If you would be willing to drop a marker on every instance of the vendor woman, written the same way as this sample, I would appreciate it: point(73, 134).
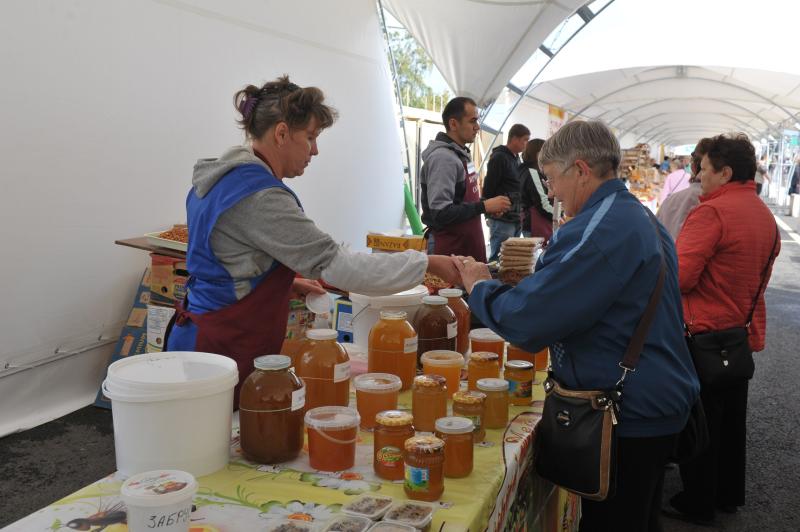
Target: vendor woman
point(249, 235)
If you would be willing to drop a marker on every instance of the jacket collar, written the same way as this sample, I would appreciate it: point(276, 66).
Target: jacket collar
point(443, 137)
point(606, 189)
point(727, 188)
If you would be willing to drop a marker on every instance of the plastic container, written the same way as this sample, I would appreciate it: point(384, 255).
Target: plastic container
point(288, 525)
point(271, 406)
point(412, 513)
point(486, 340)
point(428, 401)
point(375, 392)
point(436, 326)
point(324, 367)
point(463, 316)
point(159, 500)
point(332, 437)
point(456, 433)
point(495, 408)
point(370, 506)
point(366, 310)
point(386, 526)
point(448, 364)
point(157, 399)
point(347, 523)
point(424, 469)
point(517, 353)
point(541, 359)
point(519, 375)
point(319, 303)
point(482, 365)
point(471, 405)
point(393, 347)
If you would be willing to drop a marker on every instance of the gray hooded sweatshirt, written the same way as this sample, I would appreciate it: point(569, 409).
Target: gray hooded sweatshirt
point(269, 225)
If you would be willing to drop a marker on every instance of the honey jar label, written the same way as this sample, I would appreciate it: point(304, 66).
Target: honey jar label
point(417, 478)
point(298, 399)
point(520, 388)
point(389, 456)
point(410, 345)
point(452, 329)
point(341, 372)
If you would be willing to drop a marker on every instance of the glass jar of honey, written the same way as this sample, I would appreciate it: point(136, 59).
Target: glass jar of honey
point(456, 432)
point(495, 409)
point(470, 405)
point(517, 353)
point(428, 401)
point(461, 310)
point(482, 365)
point(541, 359)
point(324, 367)
point(393, 347)
point(271, 411)
point(392, 429)
point(436, 326)
point(424, 468)
point(486, 340)
point(375, 392)
point(519, 374)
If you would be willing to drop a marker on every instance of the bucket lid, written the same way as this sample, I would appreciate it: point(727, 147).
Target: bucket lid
point(407, 298)
point(442, 358)
point(434, 300)
point(492, 385)
point(485, 335)
point(322, 334)
point(450, 292)
point(319, 303)
point(378, 382)
point(158, 488)
point(454, 425)
point(332, 417)
point(272, 362)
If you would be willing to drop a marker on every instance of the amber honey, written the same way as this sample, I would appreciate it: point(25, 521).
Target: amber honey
point(424, 468)
point(541, 359)
point(448, 364)
point(332, 432)
point(482, 365)
point(517, 353)
point(436, 326)
point(456, 432)
point(486, 340)
point(519, 375)
point(428, 401)
point(460, 308)
point(324, 367)
point(393, 347)
point(495, 408)
point(375, 392)
point(392, 429)
point(470, 405)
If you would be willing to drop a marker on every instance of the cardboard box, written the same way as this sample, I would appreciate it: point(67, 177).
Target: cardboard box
point(343, 319)
point(396, 243)
point(167, 280)
point(300, 320)
point(157, 320)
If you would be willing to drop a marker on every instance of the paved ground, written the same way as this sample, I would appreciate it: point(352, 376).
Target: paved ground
point(49, 462)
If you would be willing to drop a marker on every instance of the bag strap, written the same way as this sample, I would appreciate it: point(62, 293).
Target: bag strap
point(763, 277)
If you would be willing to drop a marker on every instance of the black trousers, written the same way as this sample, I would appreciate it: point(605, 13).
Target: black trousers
point(716, 477)
point(636, 505)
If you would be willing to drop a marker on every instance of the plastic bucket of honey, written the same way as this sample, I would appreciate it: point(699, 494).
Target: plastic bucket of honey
point(332, 433)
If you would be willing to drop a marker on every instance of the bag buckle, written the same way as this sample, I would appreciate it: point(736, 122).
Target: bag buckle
point(621, 380)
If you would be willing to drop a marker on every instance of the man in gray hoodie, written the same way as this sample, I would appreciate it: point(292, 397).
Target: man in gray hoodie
point(451, 198)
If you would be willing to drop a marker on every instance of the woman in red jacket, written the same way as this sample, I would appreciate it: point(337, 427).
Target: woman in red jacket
point(725, 252)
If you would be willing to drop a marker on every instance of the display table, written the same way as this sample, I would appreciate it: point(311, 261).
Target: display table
point(502, 493)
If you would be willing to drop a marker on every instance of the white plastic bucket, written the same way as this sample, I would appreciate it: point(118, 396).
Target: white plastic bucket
point(367, 310)
point(172, 411)
point(159, 500)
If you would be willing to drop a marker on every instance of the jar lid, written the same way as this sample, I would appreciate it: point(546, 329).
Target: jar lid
point(454, 425)
point(393, 315)
point(519, 364)
point(322, 334)
point(469, 397)
point(484, 356)
point(272, 362)
point(394, 418)
point(158, 488)
point(450, 292)
point(442, 358)
point(434, 300)
point(332, 417)
point(377, 382)
point(492, 385)
point(430, 381)
point(424, 444)
point(487, 335)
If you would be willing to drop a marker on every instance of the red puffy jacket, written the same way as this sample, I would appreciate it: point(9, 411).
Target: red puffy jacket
point(723, 248)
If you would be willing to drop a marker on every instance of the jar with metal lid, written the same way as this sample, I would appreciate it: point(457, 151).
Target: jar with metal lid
point(271, 411)
point(428, 401)
point(519, 374)
point(436, 326)
point(463, 316)
point(424, 468)
point(495, 411)
point(392, 347)
point(392, 429)
point(324, 367)
point(456, 432)
point(482, 365)
point(470, 405)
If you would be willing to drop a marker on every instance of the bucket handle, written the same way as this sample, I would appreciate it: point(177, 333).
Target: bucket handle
point(367, 306)
point(334, 440)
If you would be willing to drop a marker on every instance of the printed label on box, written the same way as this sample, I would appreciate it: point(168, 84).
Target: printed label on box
point(157, 321)
point(410, 345)
point(417, 478)
point(452, 329)
point(341, 372)
point(137, 317)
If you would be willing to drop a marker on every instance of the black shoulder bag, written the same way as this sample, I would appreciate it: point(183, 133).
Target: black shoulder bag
point(576, 438)
point(724, 357)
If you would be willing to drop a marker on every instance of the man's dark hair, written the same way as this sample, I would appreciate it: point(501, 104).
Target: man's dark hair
point(455, 108)
point(735, 151)
point(697, 155)
point(517, 131)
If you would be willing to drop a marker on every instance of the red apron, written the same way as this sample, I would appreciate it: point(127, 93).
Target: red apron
point(540, 226)
point(253, 326)
point(465, 238)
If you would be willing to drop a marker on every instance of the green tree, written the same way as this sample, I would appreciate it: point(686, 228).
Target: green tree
point(413, 66)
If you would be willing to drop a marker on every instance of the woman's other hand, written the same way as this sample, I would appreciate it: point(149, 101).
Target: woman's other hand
point(302, 287)
point(445, 268)
point(471, 272)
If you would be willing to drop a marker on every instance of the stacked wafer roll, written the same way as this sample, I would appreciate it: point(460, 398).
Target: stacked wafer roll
point(517, 259)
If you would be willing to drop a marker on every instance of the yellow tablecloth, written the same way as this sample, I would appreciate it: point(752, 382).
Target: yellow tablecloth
point(502, 493)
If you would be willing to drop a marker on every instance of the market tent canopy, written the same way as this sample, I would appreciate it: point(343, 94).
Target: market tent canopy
point(478, 45)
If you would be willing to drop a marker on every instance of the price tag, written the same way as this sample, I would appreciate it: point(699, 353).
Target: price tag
point(298, 399)
point(452, 329)
point(341, 372)
point(410, 345)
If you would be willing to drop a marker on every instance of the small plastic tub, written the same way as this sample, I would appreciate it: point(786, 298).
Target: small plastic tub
point(375, 392)
point(347, 523)
point(385, 526)
point(486, 340)
point(160, 499)
point(412, 513)
point(448, 364)
point(332, 437)
point(288, 525)
point(368, 506)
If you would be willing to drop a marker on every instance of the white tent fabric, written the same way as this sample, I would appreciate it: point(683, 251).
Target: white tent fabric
point(478, 45)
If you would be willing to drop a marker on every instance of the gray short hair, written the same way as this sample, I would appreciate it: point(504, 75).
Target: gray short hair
point(591, 141)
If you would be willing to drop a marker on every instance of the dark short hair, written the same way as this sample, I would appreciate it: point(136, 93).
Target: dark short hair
point(517, 131)
point(531, 153)
point(735, 151)
point(697, 155)
point(455, 108)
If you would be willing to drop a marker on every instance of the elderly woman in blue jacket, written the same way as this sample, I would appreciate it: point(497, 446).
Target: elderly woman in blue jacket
point(587, 294)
